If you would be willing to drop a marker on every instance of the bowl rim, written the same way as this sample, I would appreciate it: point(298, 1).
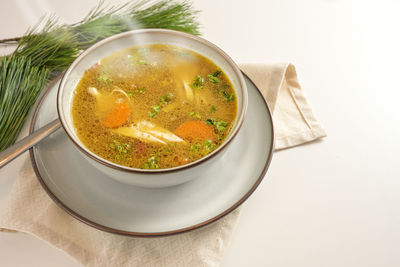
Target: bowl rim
point(98, 159)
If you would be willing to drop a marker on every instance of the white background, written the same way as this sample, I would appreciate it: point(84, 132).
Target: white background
point(330, 203)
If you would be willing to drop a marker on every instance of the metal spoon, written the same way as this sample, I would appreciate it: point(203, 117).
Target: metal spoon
point(21, 146)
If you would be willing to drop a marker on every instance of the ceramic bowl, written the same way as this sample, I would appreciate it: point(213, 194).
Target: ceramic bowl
point(145, 177)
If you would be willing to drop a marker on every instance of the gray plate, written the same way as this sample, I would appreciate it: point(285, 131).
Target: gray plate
point(102, 202)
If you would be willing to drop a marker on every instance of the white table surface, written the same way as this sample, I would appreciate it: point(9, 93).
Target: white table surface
point(329, 203)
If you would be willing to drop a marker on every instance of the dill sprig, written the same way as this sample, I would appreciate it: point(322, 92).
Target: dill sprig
point(42, 54)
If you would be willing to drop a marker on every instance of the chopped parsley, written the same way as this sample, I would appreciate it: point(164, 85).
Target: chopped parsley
point(210, 121)
point(213, 79)
point(164, 100)
point(228, 97)
point(219, 125)
point(121, 149)
point(209, 145)
point(213, 109)
point(217, 73)
point(140, 90)
point(151, 163)
point(155, 111)
point(195, 114)
point(195, 147)
point(197, 82)
point(167, 98)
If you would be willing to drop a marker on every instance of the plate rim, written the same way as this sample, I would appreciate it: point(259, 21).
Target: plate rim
point(98, 226)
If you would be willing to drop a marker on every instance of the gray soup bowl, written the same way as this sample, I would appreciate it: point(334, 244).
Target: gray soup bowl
point(149, 177)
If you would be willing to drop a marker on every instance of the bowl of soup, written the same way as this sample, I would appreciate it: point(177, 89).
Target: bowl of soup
point(152, 107)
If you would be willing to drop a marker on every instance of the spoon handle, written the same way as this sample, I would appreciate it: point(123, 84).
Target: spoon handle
point(24, 144)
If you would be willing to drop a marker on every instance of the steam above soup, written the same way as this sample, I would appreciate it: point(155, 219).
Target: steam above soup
point(154, 106)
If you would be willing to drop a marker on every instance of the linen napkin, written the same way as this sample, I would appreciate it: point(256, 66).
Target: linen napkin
point(30, 210)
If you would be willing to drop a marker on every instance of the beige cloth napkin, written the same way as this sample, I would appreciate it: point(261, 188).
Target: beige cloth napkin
point(30, 210)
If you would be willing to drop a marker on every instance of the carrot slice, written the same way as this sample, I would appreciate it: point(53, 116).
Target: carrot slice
point(195, 130)
point(118, 115)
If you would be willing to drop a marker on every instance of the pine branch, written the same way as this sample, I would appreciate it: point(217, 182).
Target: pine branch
point(20, 84)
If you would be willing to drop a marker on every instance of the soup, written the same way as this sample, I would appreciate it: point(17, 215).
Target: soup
point(153, 107)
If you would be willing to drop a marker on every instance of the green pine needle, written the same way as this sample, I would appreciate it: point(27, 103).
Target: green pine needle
point(43, 54)
point(20, 84)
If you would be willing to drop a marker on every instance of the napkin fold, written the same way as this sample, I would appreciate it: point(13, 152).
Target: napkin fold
point(30, 210)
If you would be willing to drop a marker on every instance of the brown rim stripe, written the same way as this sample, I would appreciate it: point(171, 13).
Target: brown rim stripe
point(157, 234)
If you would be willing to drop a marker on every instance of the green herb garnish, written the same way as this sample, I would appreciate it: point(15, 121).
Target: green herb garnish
point(155, 111)
point(151, 163)
point(228, 97)
point(164, 100)
point(195, 114)
point(217, 73)
point(197, 82)
point(167, 98)
point(213, 109)
point(210, 121)
point(209, 145)
point(195, 148)
point(141, 90)
point(213, 79)
point(219, 125)
point(156, 108)
point(121, 149)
